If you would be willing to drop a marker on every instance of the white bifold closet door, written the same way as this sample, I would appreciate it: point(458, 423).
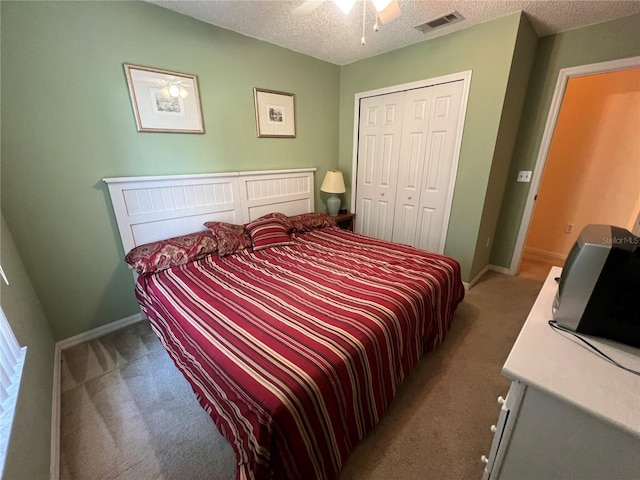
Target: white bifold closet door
point(378, 156)
point(406, 148)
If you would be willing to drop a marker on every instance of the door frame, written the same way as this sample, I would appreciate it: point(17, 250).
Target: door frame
point(545, 145)
point(465, 76)
point(636, 226)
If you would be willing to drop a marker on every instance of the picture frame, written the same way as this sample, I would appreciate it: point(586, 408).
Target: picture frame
point(275, 113)
point(163, 100)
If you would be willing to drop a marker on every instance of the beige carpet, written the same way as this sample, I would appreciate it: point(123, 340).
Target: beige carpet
point(127, 413)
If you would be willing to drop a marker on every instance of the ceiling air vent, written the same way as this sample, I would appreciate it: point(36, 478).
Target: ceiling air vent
point(439, 22)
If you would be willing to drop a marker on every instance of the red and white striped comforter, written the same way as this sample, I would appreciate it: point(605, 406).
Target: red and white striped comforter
point(297, 351)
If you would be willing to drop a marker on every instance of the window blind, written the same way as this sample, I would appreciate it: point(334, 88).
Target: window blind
point(11, 363)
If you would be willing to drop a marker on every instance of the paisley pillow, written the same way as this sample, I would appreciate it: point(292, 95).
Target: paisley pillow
point(310, 221)
point(231, 238)
point(156, 256)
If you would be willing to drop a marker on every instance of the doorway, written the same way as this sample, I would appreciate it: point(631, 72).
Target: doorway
point(588, 168)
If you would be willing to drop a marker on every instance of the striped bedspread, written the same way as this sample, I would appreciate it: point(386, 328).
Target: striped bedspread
point(297, 351)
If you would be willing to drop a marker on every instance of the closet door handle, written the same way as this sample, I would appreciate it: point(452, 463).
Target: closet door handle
point(409, 197)
point(382, 194)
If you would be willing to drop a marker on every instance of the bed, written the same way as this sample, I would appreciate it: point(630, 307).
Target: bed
point(294, 346)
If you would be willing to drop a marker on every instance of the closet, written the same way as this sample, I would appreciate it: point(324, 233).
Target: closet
point(407, 151)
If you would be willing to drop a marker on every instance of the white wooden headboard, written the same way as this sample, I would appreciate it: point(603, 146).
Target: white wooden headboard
point(148, 209)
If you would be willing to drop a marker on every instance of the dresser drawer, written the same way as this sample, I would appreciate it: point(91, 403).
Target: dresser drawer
point(502, 429)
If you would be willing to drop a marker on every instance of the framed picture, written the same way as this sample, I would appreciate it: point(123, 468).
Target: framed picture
point(275, 113)
point(164, 101)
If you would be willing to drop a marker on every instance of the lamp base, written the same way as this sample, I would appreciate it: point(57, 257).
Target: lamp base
point(333, 205)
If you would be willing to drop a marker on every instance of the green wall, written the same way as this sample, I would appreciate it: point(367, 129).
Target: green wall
point(67, 122)
point(486, 49)
point(521, 65)
point(29, 450)
point(598, 43)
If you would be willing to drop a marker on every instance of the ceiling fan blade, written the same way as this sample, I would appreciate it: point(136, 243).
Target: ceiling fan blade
point(390, 12)
point(307, 7)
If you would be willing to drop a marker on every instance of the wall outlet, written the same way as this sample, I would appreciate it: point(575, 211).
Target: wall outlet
point(568, 228)
point(524, 176)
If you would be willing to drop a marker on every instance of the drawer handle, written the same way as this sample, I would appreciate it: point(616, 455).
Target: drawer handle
point(382, 194)
point(493, 428)
point(484, 459)
point(501, 400)
point(409, 197)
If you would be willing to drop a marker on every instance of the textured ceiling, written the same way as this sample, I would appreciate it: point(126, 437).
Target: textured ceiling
point(328, 34)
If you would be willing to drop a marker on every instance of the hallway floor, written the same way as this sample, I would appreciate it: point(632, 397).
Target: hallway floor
point(536, 266)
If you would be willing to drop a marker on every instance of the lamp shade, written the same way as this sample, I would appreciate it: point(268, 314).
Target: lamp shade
point(333, 182)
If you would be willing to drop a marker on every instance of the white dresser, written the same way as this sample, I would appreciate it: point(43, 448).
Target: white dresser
point(569, 414)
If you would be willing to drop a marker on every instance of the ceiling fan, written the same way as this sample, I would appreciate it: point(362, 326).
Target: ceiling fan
point(387, 10)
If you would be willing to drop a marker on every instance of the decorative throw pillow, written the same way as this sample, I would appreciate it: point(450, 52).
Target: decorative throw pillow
point(280, 216)
point(156, 256)
point(310, 221)
point(266, 232)
point(231, 238)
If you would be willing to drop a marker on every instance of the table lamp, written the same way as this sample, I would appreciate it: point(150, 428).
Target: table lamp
point(333, 183)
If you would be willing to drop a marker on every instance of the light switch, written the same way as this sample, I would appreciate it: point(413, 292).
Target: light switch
point(524, 176)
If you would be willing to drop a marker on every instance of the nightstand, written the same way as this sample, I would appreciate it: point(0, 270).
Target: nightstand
point(345, 220)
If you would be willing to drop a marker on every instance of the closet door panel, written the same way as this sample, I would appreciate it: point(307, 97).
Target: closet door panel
point(404, 224)
point(411, 162)
point(438, 165)
point(372, 217)
point(378, 153)
point(424, 229)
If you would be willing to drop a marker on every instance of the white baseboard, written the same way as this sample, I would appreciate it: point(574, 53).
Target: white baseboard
point(475, 279)
point(498, 269)
point(54, 471)
point(493, 268)
point(100, 331)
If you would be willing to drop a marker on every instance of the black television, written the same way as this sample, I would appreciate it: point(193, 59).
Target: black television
point(599, 289)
